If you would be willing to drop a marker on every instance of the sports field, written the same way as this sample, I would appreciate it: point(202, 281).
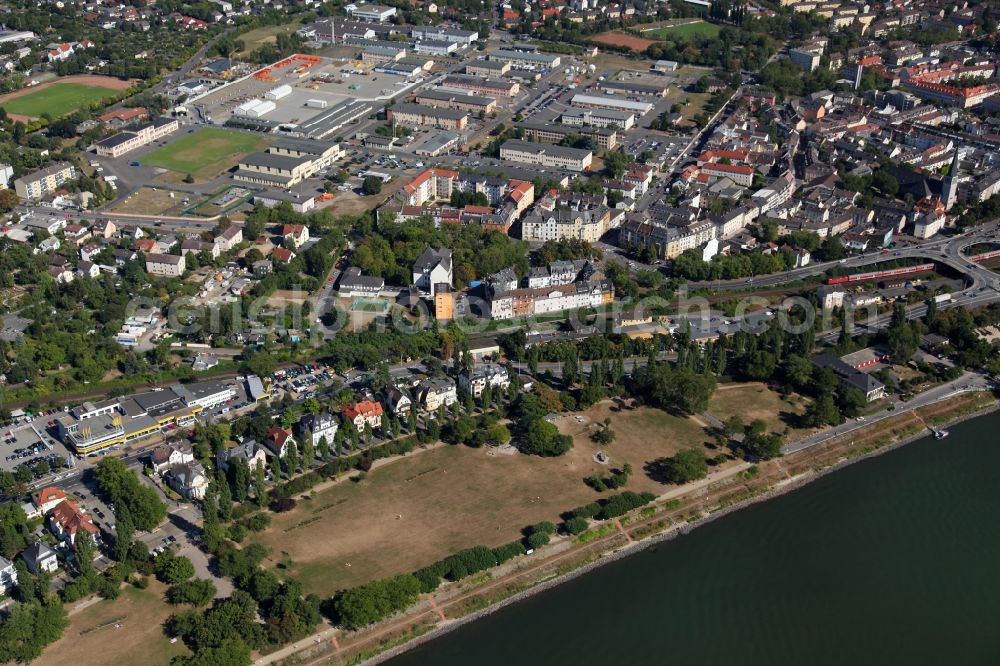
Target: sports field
point(61, 97)
point(205, 153)
point(684, 31)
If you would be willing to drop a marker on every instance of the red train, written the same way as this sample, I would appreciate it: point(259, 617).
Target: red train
point(877, 275)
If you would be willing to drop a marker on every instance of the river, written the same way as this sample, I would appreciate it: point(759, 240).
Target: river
point(893, 560)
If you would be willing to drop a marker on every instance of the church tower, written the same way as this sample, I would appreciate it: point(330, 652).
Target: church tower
point(949, 191)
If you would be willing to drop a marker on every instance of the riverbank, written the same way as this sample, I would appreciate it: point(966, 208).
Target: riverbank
point(674, 514)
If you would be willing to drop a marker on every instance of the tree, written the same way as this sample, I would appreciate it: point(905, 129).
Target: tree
point(14, 530)
point(173, 569)
point(28, 627)
point(543, 439)
point(678, 388)
point(371, 185)
point(231, 652)
point(131, 497)
point(124, 531)
point(686, 465)
point(197, 592)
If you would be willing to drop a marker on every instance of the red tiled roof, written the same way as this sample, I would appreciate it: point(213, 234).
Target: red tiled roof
point(49, 494)
point(366, 408)
point(71, 518)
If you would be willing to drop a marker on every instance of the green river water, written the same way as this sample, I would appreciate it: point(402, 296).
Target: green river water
point(894, 560)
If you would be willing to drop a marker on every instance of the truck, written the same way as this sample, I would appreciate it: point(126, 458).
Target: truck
point(942, 298)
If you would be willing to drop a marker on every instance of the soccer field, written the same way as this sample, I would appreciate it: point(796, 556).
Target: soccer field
point(684, 31)
point(57, 100)
point(205, 153)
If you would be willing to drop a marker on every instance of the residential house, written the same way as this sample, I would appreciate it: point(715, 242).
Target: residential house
point(248, 451)
point(436, 392)
point(279, 440)
point(165, 456)
point(474, 380)
point(318, 427)
point(298, 234)
point(366, 412)
point(399, 401)
point(188, 479)
point(39, 557)
point(8, 575)
point(48, 498)
point(67, 519)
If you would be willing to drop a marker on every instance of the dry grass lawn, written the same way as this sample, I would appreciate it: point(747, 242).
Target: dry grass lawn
point(148, 201)
point(757, 401)
point(414, 511)
point(93, 639)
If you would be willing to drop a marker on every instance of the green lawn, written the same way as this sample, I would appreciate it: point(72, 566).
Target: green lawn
point(58, 100)
point(205, 153)
point(685, 31)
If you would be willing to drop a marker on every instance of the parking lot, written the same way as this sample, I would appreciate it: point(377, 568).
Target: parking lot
point(30, 442)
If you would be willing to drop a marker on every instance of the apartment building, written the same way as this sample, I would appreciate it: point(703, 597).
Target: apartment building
point(37, 184)
point(166, 265)
point(528, 302)
point(560, 224)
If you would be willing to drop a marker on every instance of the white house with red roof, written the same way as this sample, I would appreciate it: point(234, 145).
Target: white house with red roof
point(48, 498)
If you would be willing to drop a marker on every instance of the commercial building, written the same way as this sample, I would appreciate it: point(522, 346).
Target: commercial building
point(141, 135)
point(549, 133)
point(438, 34)
point(354, 284)
point(91, 427)
point(632, 88)
point(623, 120)
point(417, 115)
point(738, 173)
point(435, 48)
point(377, 13)
point(494, 87)
point(468, 102)
point(612, 102)
point(555, 157)
point(37, 184)
point(526, 58)
point(287, 162)
point(488, 68)
point(165, 265)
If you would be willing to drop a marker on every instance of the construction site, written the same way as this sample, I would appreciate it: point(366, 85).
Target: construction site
point(307, 95)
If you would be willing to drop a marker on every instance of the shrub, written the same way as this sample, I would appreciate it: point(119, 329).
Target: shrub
point(577, 525)
point(508, 551)
point(538, 539)
point(375, 601)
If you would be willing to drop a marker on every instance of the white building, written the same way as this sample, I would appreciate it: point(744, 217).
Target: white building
point(166, 265)
point(475, 380)
point(377, 13)
point(433, 267)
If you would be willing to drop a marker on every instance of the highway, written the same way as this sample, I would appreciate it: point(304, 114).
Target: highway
point(946, 251)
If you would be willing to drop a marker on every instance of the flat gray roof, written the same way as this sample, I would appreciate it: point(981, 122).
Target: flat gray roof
point(548, 149)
